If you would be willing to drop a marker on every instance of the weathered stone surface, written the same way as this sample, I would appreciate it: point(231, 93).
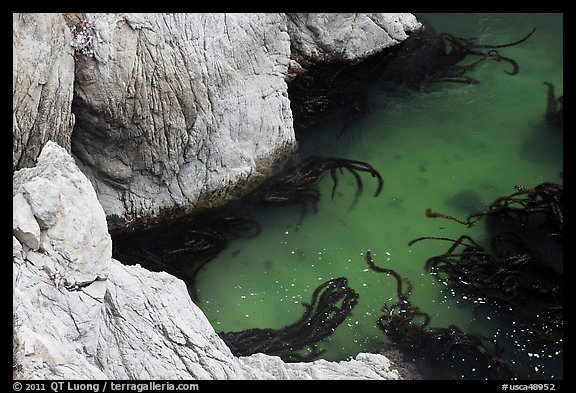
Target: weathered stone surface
point(72, 221)
point(174, 111)
point(347, 36)
point(59, 289)
point(122, 321)
point(180, 107)
point(42, 85)
point(24, 225)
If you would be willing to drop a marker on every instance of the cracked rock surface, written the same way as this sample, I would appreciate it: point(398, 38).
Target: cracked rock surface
point(175, 108)
point(42, 85)
point(174, 111)
point(83, 315)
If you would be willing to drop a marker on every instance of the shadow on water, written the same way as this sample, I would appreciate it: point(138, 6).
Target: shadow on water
point(466, 202)
point(544, 144)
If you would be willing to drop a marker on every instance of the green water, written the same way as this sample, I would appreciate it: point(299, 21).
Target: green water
point(454, 149)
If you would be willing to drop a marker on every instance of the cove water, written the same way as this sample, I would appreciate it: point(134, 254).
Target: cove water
point(454, 148)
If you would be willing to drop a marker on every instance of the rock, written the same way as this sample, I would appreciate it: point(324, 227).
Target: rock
point(42, 85)
point(348, 37)
point(364, 366)
point(58, 289)
point(64, 203)
point(24, 225)
point(181, 111)
point(150, 319)
point(122, 321)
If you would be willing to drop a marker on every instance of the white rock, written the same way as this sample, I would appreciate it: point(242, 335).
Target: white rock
point(347, 36)
point(44, 199)
point(24, 225)
point(174, 111)
point(59, 327)
point(42, 84)
point(80, 235)
point(364, 366)
point(150, 319)
point(180, 107)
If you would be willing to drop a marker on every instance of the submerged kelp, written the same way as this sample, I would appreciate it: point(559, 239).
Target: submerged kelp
point(184, 246)
point(297, 184)
point(461, 355)
point(537, 209)
point(424, 57)
point(516, 276)
point(331, 304)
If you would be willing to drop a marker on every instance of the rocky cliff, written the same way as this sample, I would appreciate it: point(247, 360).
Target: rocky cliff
point(83, 315)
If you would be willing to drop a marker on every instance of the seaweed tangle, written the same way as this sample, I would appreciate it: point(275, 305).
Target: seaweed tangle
point(470, 356)
point(295, 185)
point(539, 208)
point(331, 304)
point(429, 57)
point(554, 106)
point(424, 57)
point(516, 277)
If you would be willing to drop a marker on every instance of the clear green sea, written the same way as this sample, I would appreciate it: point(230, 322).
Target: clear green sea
point(453, 148)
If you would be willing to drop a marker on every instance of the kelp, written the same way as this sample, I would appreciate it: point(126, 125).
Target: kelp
point(297, 183)
point(457, 354)
point(515, 275)
point(554, 106)
point(184, 246)
point(538, 209)
point(426, 57)
point(331, 304)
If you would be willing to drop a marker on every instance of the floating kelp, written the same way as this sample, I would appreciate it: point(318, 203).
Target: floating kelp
point(331, 304)
point(427, 57)
point(539, 209)
point(424, 57)
point(469, 356)
point(554, 106)
point(517, 277)
point(296, 184)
